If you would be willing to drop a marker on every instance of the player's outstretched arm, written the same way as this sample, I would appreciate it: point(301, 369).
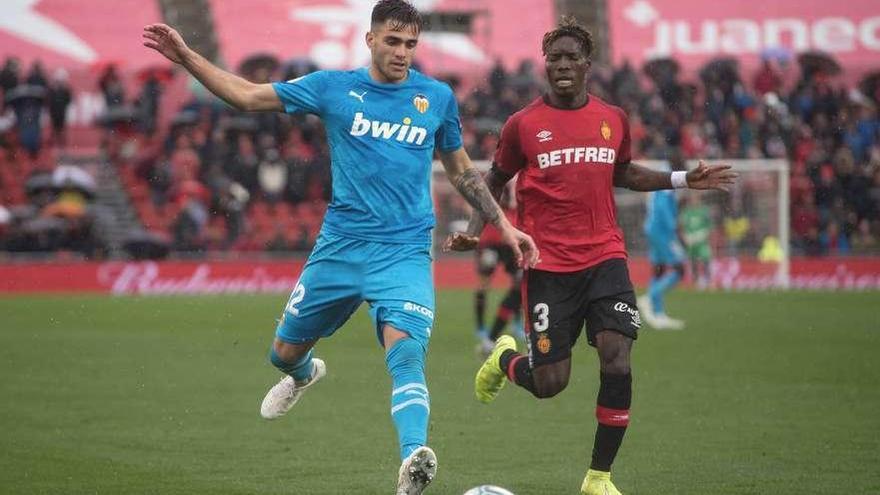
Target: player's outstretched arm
point(495, 180)
point(639, 178)
point(236, 91)
point(471, 185)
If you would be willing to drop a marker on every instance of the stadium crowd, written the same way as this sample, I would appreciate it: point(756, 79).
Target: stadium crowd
point(214, 180)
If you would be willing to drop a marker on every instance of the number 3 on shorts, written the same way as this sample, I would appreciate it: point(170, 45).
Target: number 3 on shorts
point(542, 311)
point(296, 297)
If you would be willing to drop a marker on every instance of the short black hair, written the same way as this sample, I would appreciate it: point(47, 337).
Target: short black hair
point(568, 26)
point(400, 12)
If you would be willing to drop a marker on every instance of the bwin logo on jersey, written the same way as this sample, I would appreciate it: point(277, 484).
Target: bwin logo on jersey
point(404, 133)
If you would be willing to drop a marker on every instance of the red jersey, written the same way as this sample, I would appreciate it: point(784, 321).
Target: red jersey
point(564, 192)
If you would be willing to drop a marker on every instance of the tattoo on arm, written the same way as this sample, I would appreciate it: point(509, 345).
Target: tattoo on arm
point(639, 178)
point(495, 180)
point(472, 187)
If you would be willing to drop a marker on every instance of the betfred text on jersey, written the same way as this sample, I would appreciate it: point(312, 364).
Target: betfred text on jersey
point(585, 155)
point(404, 133)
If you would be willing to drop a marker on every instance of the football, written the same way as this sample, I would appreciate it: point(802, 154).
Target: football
point(488, 490)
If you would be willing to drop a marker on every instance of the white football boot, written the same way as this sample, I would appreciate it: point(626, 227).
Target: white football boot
point(287, 392)
point(664, 322)
point(417, 471)
point(646, 311)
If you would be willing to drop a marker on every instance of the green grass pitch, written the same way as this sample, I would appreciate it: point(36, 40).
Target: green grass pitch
point(763, 393)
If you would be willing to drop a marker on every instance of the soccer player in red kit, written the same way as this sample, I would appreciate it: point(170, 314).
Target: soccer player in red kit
point(570, 149)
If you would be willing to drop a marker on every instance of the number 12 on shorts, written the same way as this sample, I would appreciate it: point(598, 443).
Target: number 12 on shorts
point(542, 312)
point(296, 297)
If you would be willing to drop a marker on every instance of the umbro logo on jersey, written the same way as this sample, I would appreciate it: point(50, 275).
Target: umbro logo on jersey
point(544, 136)
point(358, 96)
point(404, 133)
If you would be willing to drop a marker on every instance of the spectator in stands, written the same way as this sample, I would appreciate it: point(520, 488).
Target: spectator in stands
point(27, 103)
point(192, 218)
point(768, 79)
point(37, 75)
point(9, 75)
point(58, 100)
point(233, 199)
point(272, 175)
point(148, 103)
point(5, 220)
point(111, 87)
point(830, 137)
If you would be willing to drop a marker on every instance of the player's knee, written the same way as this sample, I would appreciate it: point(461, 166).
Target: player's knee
point(679, 269)
point(287, 352)
point(614, 351)
point(617, 366)
point(658, 270)
point(551, 379)
point(546, 389)
point(405, 355)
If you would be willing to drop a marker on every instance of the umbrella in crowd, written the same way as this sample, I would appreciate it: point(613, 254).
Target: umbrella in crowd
point(661, 69)
point(161, 73)
point(73, 177)
point(38, 183)
point(24, 92)
point(815, 62)
point(143, 245)
point(185, 118)
point(722, 69)
point(778, 54)
point(120, 114)
point(256, 62)
point(870, 86)
point(296, 67)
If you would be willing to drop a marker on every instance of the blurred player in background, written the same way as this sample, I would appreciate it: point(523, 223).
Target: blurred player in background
point(665, 252)
point(491, 253)
point(696, 227)
point(383, 123)
point(569, 150)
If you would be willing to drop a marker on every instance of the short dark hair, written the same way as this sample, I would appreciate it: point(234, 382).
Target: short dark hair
point(400, 12)
point(568, 26)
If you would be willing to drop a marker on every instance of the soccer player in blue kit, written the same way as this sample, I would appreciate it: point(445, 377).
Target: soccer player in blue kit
point(665, 252)
point(383, 123)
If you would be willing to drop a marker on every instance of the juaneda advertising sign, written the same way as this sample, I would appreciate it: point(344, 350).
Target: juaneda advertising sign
point(695, 31)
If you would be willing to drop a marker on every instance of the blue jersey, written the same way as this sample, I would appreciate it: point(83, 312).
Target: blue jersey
point(382, 139)
point(661, 224)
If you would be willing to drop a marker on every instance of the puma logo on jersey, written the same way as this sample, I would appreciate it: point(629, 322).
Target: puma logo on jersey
point(566, 156)
point(403, 133)
point(358, 96)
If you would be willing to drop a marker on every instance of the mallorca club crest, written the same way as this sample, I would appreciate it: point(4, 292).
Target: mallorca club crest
point(420, 101)
point(543, 344)
point(605, 129)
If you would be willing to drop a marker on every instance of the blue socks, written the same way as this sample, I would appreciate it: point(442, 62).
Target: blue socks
point(659, 287)
point(300, 370)
point(410, 405)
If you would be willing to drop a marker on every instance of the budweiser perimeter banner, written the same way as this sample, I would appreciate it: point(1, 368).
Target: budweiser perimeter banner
point(279, 277)
point(696, 31)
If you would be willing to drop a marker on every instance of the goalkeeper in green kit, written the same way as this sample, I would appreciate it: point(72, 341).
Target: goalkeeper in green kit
point(696, 228)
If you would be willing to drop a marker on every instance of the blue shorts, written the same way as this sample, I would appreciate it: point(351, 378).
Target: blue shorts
point(342, 272)
point(665, 251)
